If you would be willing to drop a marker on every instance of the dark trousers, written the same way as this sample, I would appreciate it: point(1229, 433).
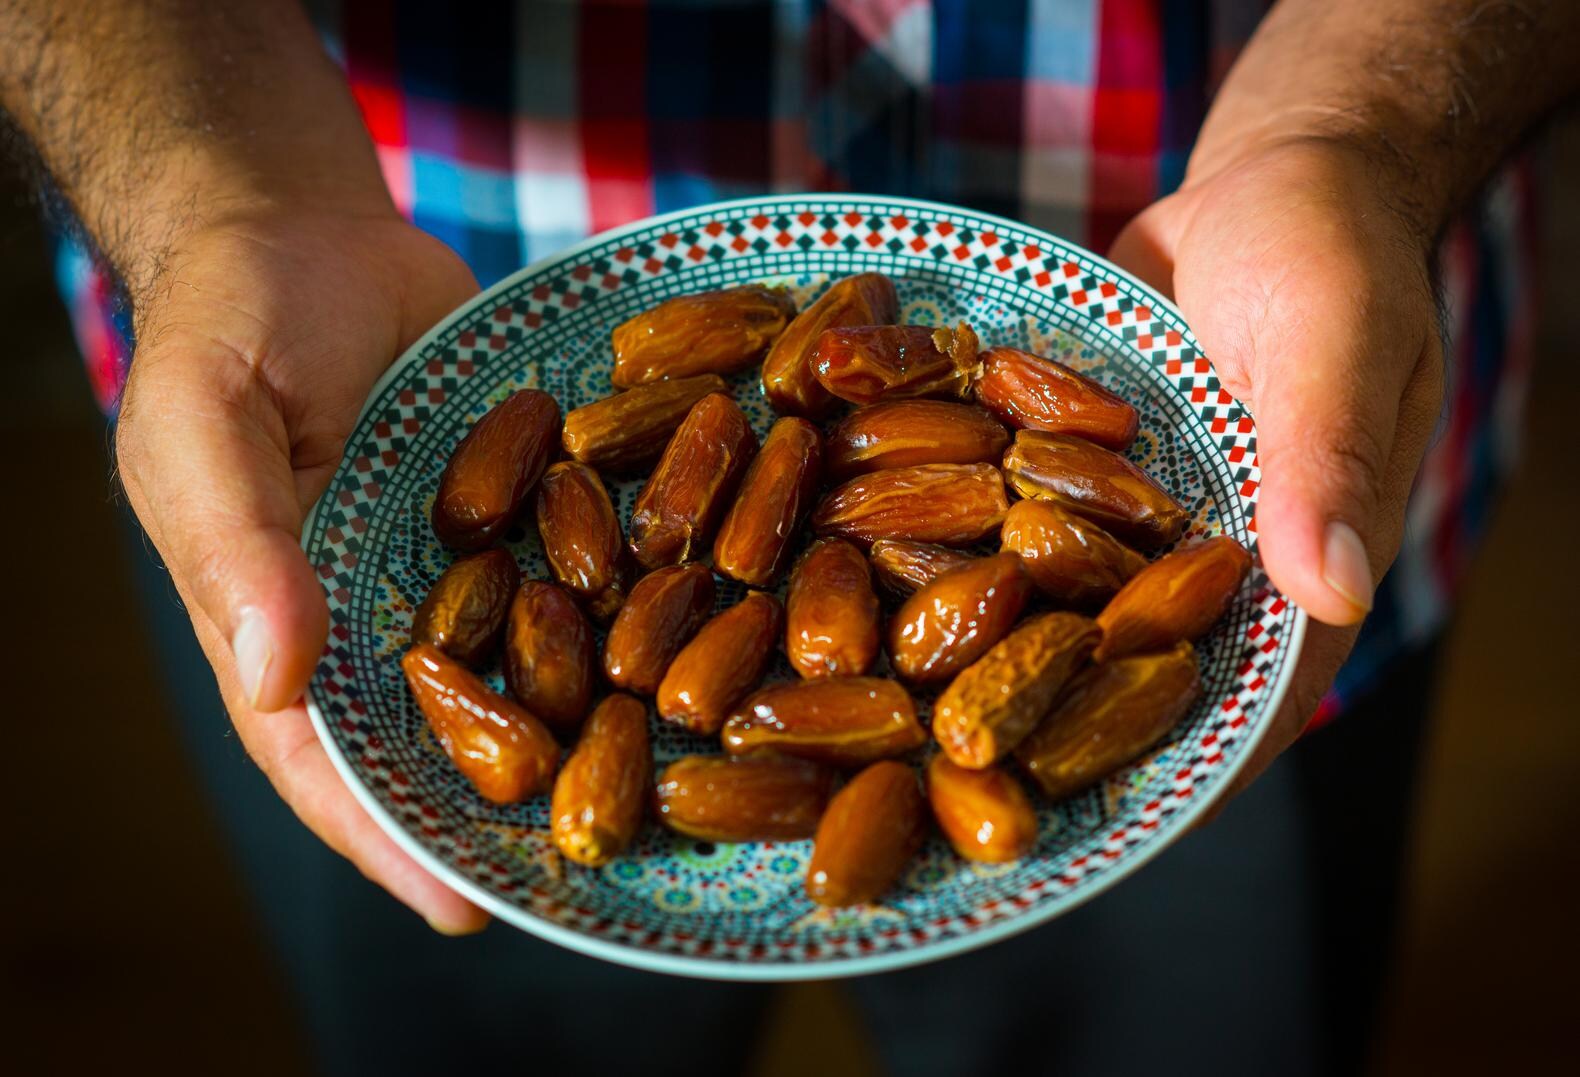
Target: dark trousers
point(1255, 945)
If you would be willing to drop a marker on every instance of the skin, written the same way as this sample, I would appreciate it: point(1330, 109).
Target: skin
point(1300, 250)
point(266, 302)
point(213, 154)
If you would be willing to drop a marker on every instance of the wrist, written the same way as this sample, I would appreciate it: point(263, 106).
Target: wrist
point(1380, 155)
point(204, 188)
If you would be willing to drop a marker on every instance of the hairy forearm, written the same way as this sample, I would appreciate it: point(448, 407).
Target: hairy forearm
point(154, 117)
point(1436, 92)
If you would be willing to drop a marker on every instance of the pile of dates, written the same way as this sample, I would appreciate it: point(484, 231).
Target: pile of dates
point(1042, 635)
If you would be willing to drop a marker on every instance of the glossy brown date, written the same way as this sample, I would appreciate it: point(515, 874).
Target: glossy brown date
point(788, 381)
point(950, 623)
point(1000, 698)
point(501, 748)
point(756, 798)
point(831, 622)
point(549, 655)
point(840, 721)
point(774, 498)
point(1113, 713)
point(867, 363)
point(903, 566)
point(1071, 560)
point(601, 792)
point(662, 613)
point(949, 504)
point(903, 433)
point(985, 814)
point(681, 504)
point(1092, 482)
point(1177, 597)
point(721, 332)
point(494, 468)
point(464, 612)
point(868, 834)
point(627, 432)
point(581, 537)
point(721, 665)
point(1033, 393)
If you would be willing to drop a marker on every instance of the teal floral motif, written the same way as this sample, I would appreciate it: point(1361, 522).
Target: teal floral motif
point(727, 910)
point(747, 897)
point(677, 899)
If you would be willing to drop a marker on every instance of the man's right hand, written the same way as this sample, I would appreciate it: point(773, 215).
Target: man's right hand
point(254, 359)
point(215, 156)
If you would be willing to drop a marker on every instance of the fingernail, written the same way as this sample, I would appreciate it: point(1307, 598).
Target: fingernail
point(254, 652)
point(1345, 567)
point(453, 931)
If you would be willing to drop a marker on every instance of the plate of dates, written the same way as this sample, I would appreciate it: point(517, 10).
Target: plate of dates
point(797, 587)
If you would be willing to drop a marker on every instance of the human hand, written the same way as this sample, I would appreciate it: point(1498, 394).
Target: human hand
point(255, 354)
point(1312, 296)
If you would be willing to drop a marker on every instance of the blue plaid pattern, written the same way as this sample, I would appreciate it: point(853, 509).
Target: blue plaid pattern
point(511, 130)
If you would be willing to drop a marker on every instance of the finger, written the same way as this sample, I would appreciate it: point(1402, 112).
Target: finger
point(1144, 247)
point(286, 748)
point(205, 459)
point(1321, 655)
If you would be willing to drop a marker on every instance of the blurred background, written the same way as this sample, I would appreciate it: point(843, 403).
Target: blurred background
point(128, 944)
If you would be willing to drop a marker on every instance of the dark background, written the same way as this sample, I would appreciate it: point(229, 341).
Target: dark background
point(127, 942)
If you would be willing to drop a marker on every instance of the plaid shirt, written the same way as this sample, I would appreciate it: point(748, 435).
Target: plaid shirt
point(514, 130)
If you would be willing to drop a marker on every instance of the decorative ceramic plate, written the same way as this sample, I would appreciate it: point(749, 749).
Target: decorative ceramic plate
point(738, 911)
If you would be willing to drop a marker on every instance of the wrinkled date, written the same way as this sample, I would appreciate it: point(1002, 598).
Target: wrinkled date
point(494, 468)
point(1094, 483)
point(903, 433)
point(1000, 698)
point(985, 814)
point(581, 537)
point(1033, 393)
point(721, 665)
point(870, 831)
point(1113, 713)
point(774, 498)
point(601, 792)
point(831, 624)
point(867, 363)
point(464, 613)
point(756, 798)
point(841, 721)
point(549, 655)
point(662, 613)
point(628, 431)
point(950, 504)
point(679, 507)
point(903, 566)
point(788, 381)
point(502, 749)
point(952, 622)
point(1071, 560)
point(1178, 597)
point(721, 332)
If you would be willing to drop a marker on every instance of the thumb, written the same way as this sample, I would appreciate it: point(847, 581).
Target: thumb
point(1324, 387)
point(205, 458)
point(1336, 440)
